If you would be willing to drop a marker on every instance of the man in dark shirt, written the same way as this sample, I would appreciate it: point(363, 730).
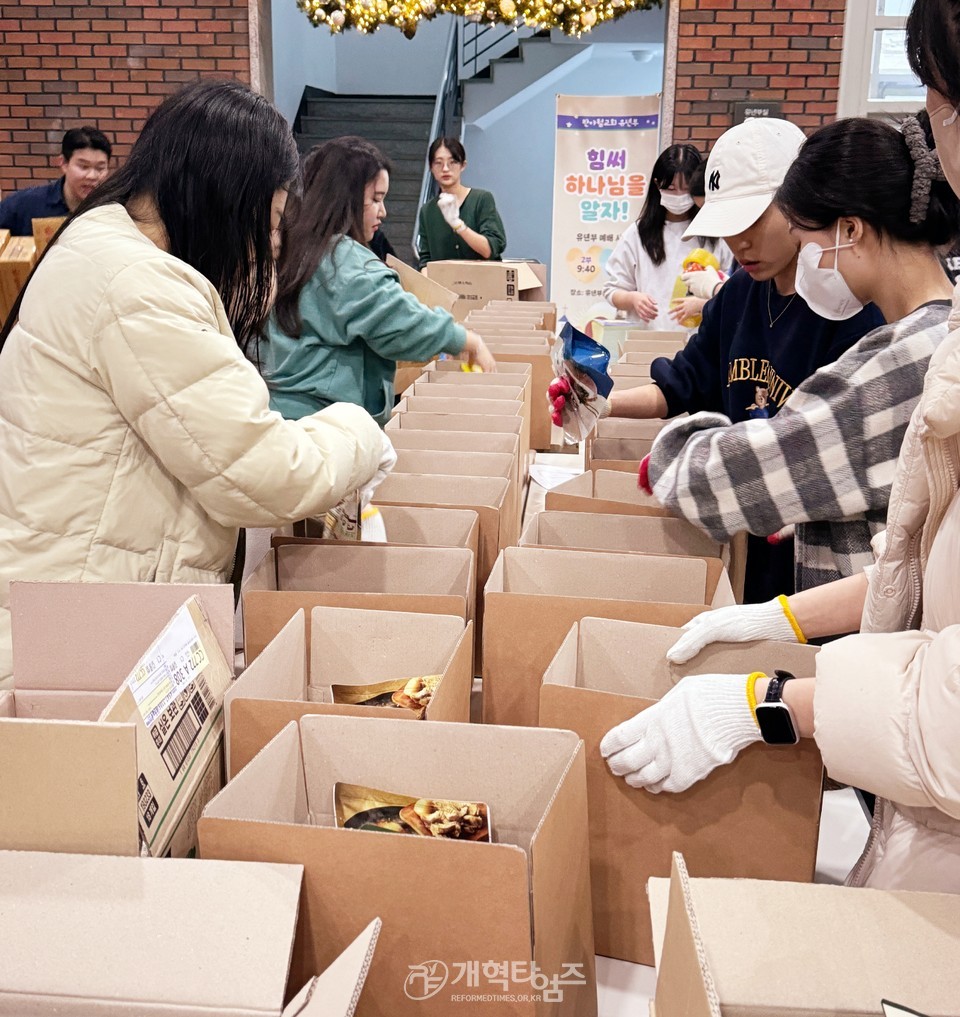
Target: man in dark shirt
point(85, 160)
point(758, 339)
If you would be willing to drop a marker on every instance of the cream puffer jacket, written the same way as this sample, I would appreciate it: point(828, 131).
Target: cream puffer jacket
point(887, 701)
point(135, 437)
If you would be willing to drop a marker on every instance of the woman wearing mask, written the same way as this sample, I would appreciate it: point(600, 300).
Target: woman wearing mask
point(462, 224)
point(644, 266)
point(883, 706)
point(136, 437)
point(342, 320)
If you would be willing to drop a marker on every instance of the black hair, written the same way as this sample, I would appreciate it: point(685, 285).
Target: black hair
point(697, 181)
point(933, 46)
point(676, 160)
point(452, 145)
point(864, 168)
point(215, 210)
point(335, 176)
point(84, 137)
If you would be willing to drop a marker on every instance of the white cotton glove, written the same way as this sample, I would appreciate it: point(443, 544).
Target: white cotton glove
point(388, 459)
point(739, 624)
point(449, 209)
point(700, 724)
point(702, 282)
point(372, 528)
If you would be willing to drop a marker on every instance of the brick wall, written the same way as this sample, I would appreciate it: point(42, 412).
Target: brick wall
point(106, 62)
point(728, 50)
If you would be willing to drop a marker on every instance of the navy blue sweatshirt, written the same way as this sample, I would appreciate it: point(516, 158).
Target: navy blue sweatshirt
point(739, 365)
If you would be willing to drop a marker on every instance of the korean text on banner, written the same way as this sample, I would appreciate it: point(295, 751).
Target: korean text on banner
point(606, 147)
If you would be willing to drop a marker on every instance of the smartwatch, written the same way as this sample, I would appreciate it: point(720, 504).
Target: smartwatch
point(774, 718)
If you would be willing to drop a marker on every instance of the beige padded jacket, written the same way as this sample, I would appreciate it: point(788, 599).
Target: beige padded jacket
point(135, 437)
point(887, 701)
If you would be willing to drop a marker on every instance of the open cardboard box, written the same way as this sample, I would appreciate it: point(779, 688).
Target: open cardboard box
point(547, 307)
point(347, 647)
point(757, 817)
point(589, 531)
point(102, 630)
point(619, 444)
point(479, 282)
point(493, 500)
point(507, 351)
point(143, 771)
point(676, 337)
point(436, 897)
point(743, 946)
point(629, 375)
point(470, 464)
point(377, 577)
point(91, 936)
point(534, 595)
point(607, 491)
point(17, 258)
point(473, 383)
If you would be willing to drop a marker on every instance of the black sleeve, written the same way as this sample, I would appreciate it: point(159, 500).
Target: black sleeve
point(692, 380)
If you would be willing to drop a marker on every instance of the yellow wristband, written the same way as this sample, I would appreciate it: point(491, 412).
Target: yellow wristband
point(752, 694)
point(794, 624)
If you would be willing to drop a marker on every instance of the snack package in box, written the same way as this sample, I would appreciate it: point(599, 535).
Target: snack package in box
point(578, 395)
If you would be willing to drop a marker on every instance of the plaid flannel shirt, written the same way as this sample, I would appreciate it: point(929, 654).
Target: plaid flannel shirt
point(825, 462)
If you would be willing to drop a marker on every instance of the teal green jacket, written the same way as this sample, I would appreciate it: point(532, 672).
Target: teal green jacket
point(439, 243)
point(358, 321)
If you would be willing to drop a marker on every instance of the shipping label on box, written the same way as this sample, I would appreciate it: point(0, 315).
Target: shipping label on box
point(174, 699)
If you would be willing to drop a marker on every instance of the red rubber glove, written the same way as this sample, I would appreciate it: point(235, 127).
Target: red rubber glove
point(643, 475)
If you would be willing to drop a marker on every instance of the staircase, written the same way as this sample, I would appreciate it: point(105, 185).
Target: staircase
point(398, 125)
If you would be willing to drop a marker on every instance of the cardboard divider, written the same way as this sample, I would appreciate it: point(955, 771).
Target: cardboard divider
point(623, 534)
point(422, 580)
point(900, 939)
point(535, 594)
point(280, 806)
point(347, 647)
point(758, 817)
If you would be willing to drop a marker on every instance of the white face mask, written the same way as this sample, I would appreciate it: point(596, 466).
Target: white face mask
point(676, 203)
point(824, 289)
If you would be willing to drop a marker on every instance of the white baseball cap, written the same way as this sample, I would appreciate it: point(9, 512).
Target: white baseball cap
point(745, 168)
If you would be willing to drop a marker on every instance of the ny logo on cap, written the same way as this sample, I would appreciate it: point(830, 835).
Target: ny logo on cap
point(714, 183)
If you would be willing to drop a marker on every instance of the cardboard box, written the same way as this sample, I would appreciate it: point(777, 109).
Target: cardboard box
point(482, 422)
point(609, 491)
point(444, 903)
point(619, 444)
point(145, 769)
point(895, 945)
point(17, 259)
point(548, 308)
point(378, 577)
point(63, 913)
point(538, 357)
point(347, 647)
point(479, 282)
point(102, 629)
point(471, 464)
point(4, 237)
point(535, 594)
point(757, 817)
point(44, 231)
point(629, 375)
point(634, 534)
point(678, 337)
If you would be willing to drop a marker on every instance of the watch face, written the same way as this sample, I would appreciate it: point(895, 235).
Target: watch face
point(776, 724)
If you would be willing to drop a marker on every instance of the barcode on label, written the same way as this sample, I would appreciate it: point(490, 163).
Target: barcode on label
point(180, 741)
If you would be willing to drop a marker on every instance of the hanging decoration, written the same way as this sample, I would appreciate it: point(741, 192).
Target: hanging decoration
point(573, 17)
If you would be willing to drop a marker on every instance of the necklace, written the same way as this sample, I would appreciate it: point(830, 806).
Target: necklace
point(786, 308)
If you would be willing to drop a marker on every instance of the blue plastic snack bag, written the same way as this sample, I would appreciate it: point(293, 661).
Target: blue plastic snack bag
point(578, 396)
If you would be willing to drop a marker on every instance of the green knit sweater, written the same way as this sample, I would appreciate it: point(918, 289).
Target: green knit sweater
point(438, 242)
point(358, 321)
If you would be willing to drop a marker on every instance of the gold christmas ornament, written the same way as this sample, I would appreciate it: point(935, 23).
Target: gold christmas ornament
point(572, 17)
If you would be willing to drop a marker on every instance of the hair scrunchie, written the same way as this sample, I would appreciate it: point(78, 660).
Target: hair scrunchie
point(926, 168)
